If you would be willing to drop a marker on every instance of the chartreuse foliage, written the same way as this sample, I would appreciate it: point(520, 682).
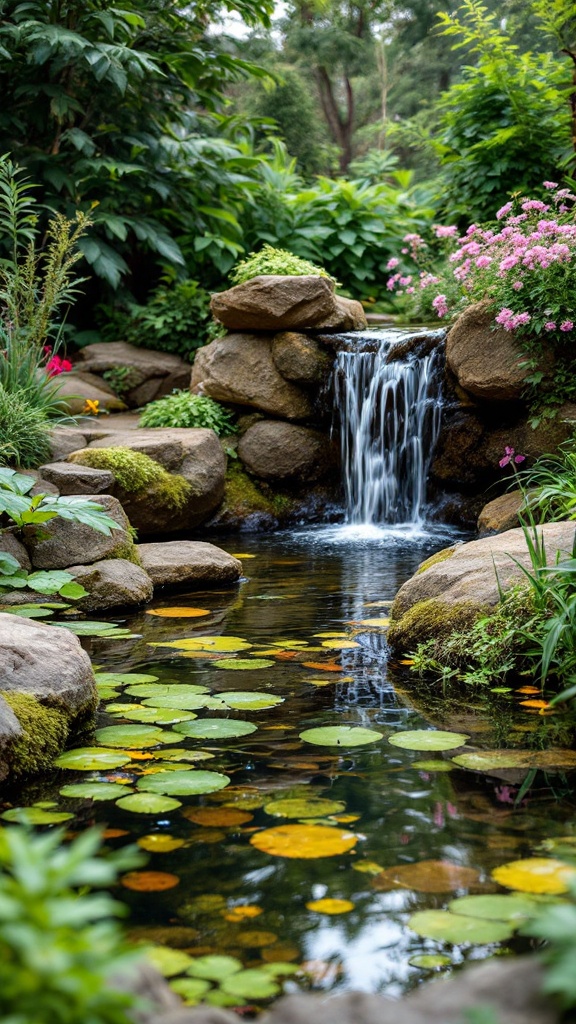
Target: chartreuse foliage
point(274, 261)
point(183, 409)
point(58, 947)
point(135, 472)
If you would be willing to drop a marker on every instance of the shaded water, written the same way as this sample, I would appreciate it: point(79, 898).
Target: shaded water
point(300, 585)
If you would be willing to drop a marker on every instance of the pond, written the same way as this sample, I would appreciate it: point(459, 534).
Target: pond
point(369, 823)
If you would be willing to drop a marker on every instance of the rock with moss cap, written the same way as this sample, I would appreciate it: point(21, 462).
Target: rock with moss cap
point(47, 690)
point(60, 543)
point(465, 581)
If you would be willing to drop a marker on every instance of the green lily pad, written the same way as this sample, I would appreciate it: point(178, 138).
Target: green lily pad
point(249, 700)
point(341, 736)
point(107, 693)
point(242, 664)
point(455, 928)
point(498, 907)
point(88, 759)
point(428, 739)
point(167, 960)
point(190, 990)
point(32, 613)
point(165, 689)
point(153, 715)
point(216, 997)
point(215, 729)
point(488, 760)
point(188, 782)
point(123, 678)
point(188, 702)
point(135, 737)
point(85, 627)
point(148, 803)
point(429, 961)
point(183, 754)
point(36, 816)
point(433, 766)
point(304, 808)
point(214, 967)
point(95, 790)
point(251, 984)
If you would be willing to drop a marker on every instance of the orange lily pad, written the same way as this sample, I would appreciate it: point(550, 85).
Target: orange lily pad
point(217, 817)
point(304, 841)
point(426, 876)
point(178, 613)
point(149, 881)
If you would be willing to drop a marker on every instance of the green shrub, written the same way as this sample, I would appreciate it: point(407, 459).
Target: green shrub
point(59, 947)
point(135, 472)
point(183, 409)
point(23, 430)
point(175, 319)
point(275, 261)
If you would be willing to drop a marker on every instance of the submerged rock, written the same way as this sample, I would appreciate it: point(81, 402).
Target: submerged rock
point(195, 563)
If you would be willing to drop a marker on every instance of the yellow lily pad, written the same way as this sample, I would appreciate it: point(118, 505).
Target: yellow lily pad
point(536, 874)
point(304, 841)
point(330, 906)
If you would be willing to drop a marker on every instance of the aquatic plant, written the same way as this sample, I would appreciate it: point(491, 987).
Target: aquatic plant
point(183, 409)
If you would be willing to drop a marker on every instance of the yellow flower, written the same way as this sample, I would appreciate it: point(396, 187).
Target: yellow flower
point(92, 407)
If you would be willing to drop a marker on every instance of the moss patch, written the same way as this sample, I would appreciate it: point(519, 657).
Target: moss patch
point(44, 734)
point(243, 496)
point(440, 556)
point(135, 472)
point(429, 620)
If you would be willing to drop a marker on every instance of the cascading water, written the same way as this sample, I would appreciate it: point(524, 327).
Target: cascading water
point(390, 412)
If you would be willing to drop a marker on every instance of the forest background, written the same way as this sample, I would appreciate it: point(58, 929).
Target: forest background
point(331, 128)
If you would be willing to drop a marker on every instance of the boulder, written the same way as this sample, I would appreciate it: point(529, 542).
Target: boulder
point(112, 583)
point(501, 513)
point(146, 373)
point(485, 362)
point(450, 589)
point(64, 440)
point(70, 478)
point(77, 386)
point(12, 546)
point(193, 453)
point(194, 563)
point(276, 303)
point(349, 315)
point(60, 543)
point(46, 688)
point(273, 450)
point(240, 369)
point(300, 358)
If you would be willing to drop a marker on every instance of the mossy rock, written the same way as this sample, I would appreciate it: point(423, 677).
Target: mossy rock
point(44, 732)
point(135, 473)
point(440, 556)
point(429, 620)
point(245, 498)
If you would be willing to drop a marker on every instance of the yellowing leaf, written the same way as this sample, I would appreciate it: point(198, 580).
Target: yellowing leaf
point(328, 906)
point(426, 876)
point(149, 881)
point(243, 913)
point(535, 874)
point(217, 817)
point(229, 644)
point(305, 841)
point(158, 842)
point(340, 645)
point(374, 622)
point(175, 612)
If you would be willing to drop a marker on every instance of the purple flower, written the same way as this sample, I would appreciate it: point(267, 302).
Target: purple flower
point(448, 231)
point(483, 261)
point(566, 325)
point(392, 263)
point(510, 456)
point(440, 305)
point(503, 211)
point(550, 325)
point(550, 184)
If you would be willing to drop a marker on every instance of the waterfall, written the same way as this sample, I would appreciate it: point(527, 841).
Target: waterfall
point(389, 400)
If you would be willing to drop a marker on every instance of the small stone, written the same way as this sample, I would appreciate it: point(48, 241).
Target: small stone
point(70, 478)
point(190, 562)
point(112, 583)
point(501, 513)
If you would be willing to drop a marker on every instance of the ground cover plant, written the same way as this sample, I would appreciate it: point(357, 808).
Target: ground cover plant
point(183, 409)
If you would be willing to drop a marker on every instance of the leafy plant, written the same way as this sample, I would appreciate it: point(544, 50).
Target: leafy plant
point(550, 484)
point(23, 430)
point(175, 319)
point(59, 943)
point(53, 581)
point(556, 925)
point(274, 261)
point(183, 409)
point(24, 510)
point(122, 379)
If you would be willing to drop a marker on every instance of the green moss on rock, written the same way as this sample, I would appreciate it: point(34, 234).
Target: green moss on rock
point(429, 620)
point(243, 496)
point(135, 472)
point(44, 734)
point(440, 556)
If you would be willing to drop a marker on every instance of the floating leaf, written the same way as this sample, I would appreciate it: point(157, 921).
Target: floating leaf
point(457, 929)
point(32, 613)
point(341, 736)
point(159, 842)
point(88, 759)
point(279, 969)
point(181, 702)
point(306, 841)
point(314, 807)
point(428, 739)
point(36, 816)
point(217, 817)
point(150, 689)
point(214, 968)
point(242, 664)
point(243, 913)
point(249, 700)
point(183, 783)
point(136, 736)
point(148, 803)
point(368, 867)
point(215, 729)
point(252, 984)
point(330, 635)
point(190, 990)
point(228, 644)
point(168, 961)
point(175, 612)
point(494, 907)
point(536, 874)
point(527, 689)
point(426, 876)
point(95, 791)
point(487, 760)
point(182, 754)
point(430, 961)
point(330, 906)
point(433, 766)
point(534, 704)
point(158, 716)
point(374, 622)
point(323, 666)
point(107, 692)
point(121, 678)
point(340, 645)
point(256, 939)
point(149, 881)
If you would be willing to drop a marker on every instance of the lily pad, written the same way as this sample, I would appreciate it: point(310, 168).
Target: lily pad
point(457, 929)
point(304, 841)
point(303, 808)
point(215, 729)
point(433, 766)
point(340, 645)
point(430, 961)
point(107, 692)
point(148, 803)
point(488, 760)
point(160, 842)
point(168, 961)
point(151, 715)
point(223, 817)
point(183, 783)
point(426, 876)
point(150, 689)
point(252, 984)
point(88, 759)
point(249, 700)
point(36, 816)
point(226, 644)
point(242, 664)
point(132, 736)
point(341, 736)
point(95, 790)
point(330, 906)
point(495, 907)
point(123, 678)
point(214, 968)
point(182, 754)
point(428, 739)
point(188, 702)
point(32, 613)
point(536, 874)
point(174, 612)
point(190, 990)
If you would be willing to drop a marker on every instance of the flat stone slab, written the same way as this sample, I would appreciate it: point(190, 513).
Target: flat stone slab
point(188, 562)
point(71, 478)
